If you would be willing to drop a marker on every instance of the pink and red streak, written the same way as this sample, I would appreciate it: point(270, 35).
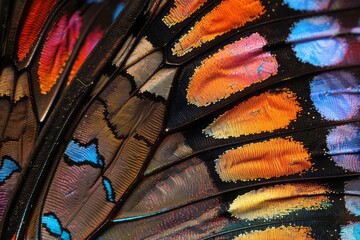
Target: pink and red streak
point(59, 45)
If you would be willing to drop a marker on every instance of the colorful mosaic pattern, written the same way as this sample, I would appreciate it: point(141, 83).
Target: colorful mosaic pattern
point(178, 119)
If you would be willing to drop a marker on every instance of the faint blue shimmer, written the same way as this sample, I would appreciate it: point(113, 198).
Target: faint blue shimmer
point(343, 143)
point(118, 10)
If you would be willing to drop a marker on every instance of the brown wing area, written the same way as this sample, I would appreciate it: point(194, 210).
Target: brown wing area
point(44, 41)
point(18, 132)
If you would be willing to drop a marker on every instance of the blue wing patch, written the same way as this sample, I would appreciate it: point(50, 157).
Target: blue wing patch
point(308, 5)
point(352, 188)
point(336, 95)
point(83, 154)
point(118, 10)
point(79, 154)
point(110, 194)
point(351, 231)
point(53, 226)
point(320, 52)
point(8, 167)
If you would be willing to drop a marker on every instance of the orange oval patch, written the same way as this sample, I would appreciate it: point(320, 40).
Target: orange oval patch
point(228, 15)
point(279, 200)
point(230, 70)
point(274, 158)
point(264, 113)
point(282, 232)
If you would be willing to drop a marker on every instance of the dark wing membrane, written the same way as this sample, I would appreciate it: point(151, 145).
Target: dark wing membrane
point(54, 40)
point(4, 13)
point(205, 119)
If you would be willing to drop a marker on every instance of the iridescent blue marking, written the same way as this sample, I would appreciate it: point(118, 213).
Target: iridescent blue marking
point(352, 200)
point(314, 42)
point(119, 220)
point(94, 1)
point(8, 167)
point(315, 27)
point(351, 231)
point(53, 226)
point(110, 195)
point(336, 96)
point(83, 154)
point(118, 10)
point(308, 5)
point(343, 143)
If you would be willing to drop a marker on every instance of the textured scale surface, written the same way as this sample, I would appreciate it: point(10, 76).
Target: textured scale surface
point(178, 119)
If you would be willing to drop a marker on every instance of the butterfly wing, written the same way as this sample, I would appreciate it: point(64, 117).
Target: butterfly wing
point(43, 45)
point(252, 152)
point(199, 119)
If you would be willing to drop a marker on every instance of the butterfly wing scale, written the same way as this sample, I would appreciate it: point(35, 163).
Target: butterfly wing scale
point(23, 106)
point(205, 119)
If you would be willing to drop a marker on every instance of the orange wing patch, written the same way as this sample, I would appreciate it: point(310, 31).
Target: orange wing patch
point(181, 10)
point(282, 232)
point(264, 113)
point(274, 158)
point(230, 70)
point(57, 50)
point(279, 200)
point(34, 21)
point(228, 15)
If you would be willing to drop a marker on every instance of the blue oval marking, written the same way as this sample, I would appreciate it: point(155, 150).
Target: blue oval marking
point(336, 95)
point(314, 42)
point(343, 143)
point(308, 5)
